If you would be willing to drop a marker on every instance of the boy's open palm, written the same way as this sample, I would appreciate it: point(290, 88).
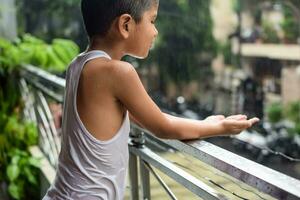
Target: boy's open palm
point(237, 123)
point(233, 124)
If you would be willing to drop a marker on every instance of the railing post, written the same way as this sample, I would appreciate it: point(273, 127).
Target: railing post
point(145, 180)
point(138, 141)
point(133, 177)
point(133, 165)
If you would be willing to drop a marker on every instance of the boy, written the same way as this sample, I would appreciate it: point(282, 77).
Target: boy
point(102, 93)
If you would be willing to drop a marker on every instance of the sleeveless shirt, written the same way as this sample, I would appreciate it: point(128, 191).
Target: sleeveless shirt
point(88, 168)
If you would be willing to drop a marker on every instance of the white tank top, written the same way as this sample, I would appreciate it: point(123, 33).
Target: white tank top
point(88, 169)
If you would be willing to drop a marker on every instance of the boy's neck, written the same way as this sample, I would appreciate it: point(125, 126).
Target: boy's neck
point(112, 48)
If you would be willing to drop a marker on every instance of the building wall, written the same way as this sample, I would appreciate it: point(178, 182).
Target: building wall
point(290, 84)
point(8, 24)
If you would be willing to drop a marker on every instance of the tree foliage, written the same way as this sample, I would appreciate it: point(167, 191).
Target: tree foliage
point(48, 19)
point(291, 23)
point(185, 43)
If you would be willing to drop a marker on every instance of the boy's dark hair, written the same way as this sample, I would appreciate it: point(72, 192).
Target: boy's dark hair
point(98, 15)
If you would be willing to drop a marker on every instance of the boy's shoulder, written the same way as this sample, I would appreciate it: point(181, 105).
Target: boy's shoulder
point(114, 69)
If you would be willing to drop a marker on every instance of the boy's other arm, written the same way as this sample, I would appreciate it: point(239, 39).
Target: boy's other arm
point(128, 88)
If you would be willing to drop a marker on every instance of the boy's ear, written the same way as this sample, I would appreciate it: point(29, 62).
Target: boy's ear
point(125, 25)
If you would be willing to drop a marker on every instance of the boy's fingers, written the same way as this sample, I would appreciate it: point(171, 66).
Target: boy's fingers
point(243, 124)
point(237, 117)
point(215, 117)
point(238, 124)
point(220, 116)
point(253, 120)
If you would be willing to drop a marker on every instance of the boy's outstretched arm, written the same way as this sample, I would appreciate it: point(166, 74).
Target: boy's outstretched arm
point(230, 125)
point(127, 87)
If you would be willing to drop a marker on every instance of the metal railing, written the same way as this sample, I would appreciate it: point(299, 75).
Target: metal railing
point(39, 87)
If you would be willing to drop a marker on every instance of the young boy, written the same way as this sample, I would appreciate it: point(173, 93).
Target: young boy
point(103, 93)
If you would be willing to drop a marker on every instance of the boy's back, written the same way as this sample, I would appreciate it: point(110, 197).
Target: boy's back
point(90, 168)
point(100, 111)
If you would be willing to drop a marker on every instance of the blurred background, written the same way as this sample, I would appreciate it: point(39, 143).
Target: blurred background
point(211, 57)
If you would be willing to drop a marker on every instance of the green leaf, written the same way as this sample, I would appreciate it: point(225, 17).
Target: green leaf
point(15, 159)
point(61, 53)
point(31, 178)
point(12, 172)
point(71, 48)
point(31, 134)
point(34, 162)
point(40, 57)
point(27, 51)
point(12, 125)
point(31, 39)
point(16, 151)
point(14, 191)
point(54, 63)
point(4, 43)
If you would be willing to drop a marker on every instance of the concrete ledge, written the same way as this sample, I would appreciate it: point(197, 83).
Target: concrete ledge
point(273, 51)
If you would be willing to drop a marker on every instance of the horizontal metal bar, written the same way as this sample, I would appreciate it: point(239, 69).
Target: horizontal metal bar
point(45, 90)
point(256, 175)
point(42, 74)
point(190, 182)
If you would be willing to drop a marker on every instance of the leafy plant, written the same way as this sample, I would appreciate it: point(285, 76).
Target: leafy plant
point(229, 57)
point(17, 167)
point(270, 33)
point(21, 171)
point(9, 56)
point(274, 112)
point(30, 50)
point(293, 111)
point(19, 134)
point(290, 25)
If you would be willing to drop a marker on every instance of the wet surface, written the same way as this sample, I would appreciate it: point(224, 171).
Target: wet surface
point(276, 162)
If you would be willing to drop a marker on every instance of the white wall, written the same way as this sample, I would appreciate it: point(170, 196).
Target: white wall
point(8, 23)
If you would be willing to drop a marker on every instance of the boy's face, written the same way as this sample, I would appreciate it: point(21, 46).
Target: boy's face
point(144, 34)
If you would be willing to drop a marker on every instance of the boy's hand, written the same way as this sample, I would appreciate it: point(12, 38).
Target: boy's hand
point(233, 124)
point(236, 123)
point(218, 118)
point(215, 118)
